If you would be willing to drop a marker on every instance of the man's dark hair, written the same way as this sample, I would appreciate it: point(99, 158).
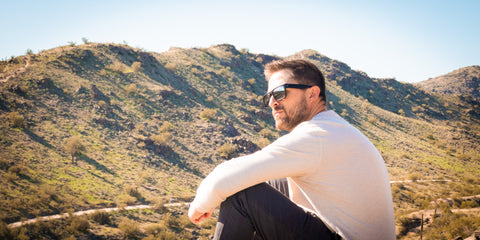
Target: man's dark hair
point(304, 72)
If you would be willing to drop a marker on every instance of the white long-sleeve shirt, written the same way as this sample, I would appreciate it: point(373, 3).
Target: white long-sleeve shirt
point(332, 169)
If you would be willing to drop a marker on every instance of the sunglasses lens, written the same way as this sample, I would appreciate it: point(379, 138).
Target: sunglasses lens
point(266, 99)
point(278, 94)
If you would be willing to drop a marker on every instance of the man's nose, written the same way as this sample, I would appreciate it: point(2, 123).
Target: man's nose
point(273, 102)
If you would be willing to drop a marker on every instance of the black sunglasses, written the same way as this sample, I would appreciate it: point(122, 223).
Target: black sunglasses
point(280, 92)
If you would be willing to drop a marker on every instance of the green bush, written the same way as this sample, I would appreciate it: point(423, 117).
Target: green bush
point(208, 114)
point(74, 147)
point(171, 66)
point(469, 204)
point(166, 126)
point(269, 134)
point(133, 191)
point(162, 139)
point(159, 205)
point(101, 104)
point(78, 225)
point(130, 228)
point(117, 67)
point(262, 142)
point(414, 177)
point(131, 89)
point(10, 176)
point(5, 231)
point(136, 66)
point(16, 120)
point(101, 217)
point(450, 226)
point(4, 164)
point(226, 150)
point(155, 229)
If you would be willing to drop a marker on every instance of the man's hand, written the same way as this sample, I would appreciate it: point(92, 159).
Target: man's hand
point(198, 217)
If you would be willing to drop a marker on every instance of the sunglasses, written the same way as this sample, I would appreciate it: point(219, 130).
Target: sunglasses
point(280, 92)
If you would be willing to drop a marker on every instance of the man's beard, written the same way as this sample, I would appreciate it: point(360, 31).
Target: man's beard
point(292, 118)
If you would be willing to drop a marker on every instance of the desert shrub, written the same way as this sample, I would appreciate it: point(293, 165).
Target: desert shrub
point(159, 205)
point(48, 192)
point(262, 142)
point(406, 224)
point(171, 66)
point(372, 119)
point(130, 228)
point(208, 114)
point(162, 139)
point(210, 223)
point(74, 147)
point(133, 191)
point(131, 89)
point(136, 66)
point(464, 157)
point(10, 176)
point(414, 177)
point(451, 226)
point(155, 229)
point(78, 224)
point(226, 150)
point(16, 120)
point(184, 222)
point(163, 235)
point(5, 231)
point(101, 217)
point(166, 126)
point(117, 67)
point(269, 134)
point(4, 164)
point(469, 204)
point(172, 222)
point(18, 170)
point(101, 104)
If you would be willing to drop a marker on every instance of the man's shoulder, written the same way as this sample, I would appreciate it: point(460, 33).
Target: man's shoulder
point(323, 118)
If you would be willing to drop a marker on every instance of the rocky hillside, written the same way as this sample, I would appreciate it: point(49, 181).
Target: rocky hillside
point(464, 81)
point(99, 125)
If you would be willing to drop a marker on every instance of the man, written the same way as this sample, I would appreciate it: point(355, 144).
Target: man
point(338, 185)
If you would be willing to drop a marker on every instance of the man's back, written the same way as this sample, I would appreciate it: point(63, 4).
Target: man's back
point(333, 170)
point(345, 181)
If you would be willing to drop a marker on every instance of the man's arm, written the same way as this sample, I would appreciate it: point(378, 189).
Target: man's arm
point(284, 158)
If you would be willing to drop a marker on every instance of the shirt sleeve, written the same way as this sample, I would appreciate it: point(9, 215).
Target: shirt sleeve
point(289, 156)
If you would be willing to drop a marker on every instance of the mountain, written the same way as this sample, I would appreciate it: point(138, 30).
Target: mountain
point(464, 81)
point(102, 125)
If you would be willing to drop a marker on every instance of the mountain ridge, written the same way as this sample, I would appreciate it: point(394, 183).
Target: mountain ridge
point(154, 124)
point(463, 81)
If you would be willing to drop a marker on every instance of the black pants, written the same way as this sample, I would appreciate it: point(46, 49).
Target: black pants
point(262, 212)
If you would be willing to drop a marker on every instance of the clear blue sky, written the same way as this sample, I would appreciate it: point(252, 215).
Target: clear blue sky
point(411, 40)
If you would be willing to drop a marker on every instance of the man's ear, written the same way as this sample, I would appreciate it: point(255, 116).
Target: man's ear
point(314, 93)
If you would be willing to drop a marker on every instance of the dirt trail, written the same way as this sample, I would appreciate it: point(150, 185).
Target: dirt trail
point(18, 71)
point(65, 215)
point(410, 181)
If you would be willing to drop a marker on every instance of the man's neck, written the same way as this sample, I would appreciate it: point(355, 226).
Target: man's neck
point(318, 108)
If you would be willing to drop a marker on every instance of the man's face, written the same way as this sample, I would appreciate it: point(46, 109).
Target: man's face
point(292, 110)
